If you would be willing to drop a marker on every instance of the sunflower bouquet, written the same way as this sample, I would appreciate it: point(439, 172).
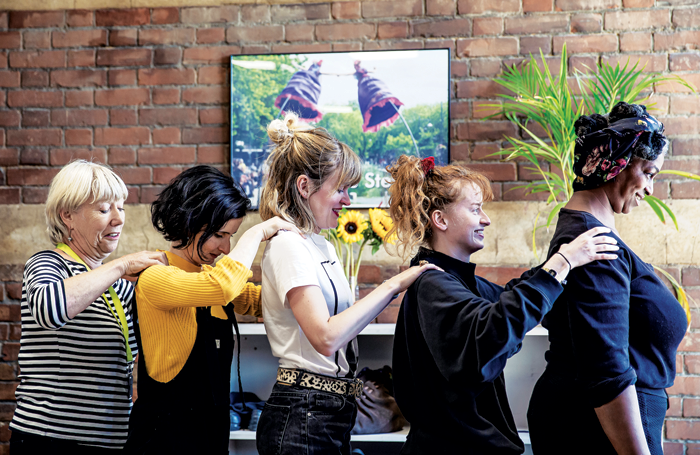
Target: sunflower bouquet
point(354, 228)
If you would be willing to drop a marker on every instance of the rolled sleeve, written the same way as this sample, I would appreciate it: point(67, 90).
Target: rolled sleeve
point(290, 260)
point(598, 298)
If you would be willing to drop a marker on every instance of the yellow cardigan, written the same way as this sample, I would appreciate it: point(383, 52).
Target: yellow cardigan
point(167, 298)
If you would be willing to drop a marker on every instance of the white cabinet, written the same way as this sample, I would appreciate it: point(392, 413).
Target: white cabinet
point(259, 369)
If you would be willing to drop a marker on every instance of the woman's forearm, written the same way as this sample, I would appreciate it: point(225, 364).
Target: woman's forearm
point(349, 323)
point(622, 423)
point(327, 334)
point(247, 246)
point(84, 289)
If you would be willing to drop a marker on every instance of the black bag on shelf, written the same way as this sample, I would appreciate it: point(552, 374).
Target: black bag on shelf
point(377, 411)
point(248, 408)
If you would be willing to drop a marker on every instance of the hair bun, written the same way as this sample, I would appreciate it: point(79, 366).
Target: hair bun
point(624, 110)
point(590, 124)
point(279, 130)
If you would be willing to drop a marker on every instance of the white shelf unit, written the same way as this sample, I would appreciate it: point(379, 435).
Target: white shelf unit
point(397, 436)
point(258, 369)
point(371, 329)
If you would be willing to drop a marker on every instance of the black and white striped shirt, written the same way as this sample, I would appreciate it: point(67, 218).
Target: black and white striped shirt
point(74, 373)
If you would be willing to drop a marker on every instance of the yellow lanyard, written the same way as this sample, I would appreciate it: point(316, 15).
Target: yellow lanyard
point(121, 319)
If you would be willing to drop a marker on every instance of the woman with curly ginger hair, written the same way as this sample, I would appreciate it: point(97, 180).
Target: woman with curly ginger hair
point(456, 330)
point(309, 311)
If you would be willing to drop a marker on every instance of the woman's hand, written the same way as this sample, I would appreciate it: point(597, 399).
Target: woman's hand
point(248, 244)
point(134, 263)
point(403, 280)
point(588, 247)
point(270, 228)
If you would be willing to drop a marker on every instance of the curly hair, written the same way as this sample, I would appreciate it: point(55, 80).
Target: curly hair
point(650, 144)
point(303, 150)
point(200, 199)
point(415, 196)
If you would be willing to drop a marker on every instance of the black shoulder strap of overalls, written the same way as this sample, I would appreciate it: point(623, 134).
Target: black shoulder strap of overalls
point(228, 309)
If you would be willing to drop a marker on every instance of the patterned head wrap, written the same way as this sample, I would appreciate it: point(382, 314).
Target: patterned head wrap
point(601, 155)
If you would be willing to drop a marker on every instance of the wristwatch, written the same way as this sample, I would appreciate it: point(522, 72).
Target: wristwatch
point(554, 275)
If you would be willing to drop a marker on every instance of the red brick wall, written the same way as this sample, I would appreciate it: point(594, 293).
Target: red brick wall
point(144, 90)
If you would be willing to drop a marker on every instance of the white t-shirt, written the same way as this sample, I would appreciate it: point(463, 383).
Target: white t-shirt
point(290, 261)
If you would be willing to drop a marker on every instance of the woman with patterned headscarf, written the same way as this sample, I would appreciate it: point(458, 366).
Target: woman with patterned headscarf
point(615, 329)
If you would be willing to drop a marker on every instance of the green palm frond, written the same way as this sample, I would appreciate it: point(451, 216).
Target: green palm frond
point(546, 100)
point(687, 175)
point(680, 292)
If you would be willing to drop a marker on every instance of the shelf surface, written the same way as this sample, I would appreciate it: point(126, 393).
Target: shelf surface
point(371, 329)
point(397, 436)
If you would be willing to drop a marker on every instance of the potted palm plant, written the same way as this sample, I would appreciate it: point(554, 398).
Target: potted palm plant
point(548, 101)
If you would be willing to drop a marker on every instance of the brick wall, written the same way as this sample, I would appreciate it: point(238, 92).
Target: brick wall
point(144, 90)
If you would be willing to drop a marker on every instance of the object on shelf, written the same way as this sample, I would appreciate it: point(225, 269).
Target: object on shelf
point(248, 410)
point(377, 411)
point(235, 421)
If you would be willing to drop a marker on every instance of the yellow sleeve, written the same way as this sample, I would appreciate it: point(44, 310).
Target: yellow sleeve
point(248, 301)
point(169, 287)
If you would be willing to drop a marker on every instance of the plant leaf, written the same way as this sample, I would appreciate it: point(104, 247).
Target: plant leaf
point(653, 203)
point(681, 173)
point(554, 212)
point(534, 243)
point(681, 296)
point(662, 206)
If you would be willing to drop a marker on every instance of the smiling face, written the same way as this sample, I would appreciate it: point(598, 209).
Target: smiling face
point(633, 184)
point(215, 246)
point(466, 222)
point(95, 228)
point(327, 202)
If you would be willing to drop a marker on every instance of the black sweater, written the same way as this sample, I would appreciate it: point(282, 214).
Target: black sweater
point(454, 333)
point(616, 323)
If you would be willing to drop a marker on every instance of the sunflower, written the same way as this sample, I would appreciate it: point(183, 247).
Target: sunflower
point(350, 226)
point(382, 224)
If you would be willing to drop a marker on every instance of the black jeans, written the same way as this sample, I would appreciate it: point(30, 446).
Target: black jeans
point(299, 420)
point(29, 444)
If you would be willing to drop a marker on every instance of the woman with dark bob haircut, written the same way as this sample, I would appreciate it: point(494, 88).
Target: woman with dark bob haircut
point(184, 314)
point(615, 329)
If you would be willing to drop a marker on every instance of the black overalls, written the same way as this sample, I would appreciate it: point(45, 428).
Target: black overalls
point(189, 414)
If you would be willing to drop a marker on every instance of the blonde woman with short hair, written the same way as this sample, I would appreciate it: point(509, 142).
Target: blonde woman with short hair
point(78, 345)
point(310, 314)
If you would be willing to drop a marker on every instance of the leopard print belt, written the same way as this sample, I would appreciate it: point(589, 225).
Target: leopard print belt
point(301, 378)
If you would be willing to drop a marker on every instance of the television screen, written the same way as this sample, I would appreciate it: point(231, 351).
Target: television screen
point(382, 104)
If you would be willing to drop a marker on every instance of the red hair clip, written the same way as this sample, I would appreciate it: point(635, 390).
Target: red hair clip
point(427, 164)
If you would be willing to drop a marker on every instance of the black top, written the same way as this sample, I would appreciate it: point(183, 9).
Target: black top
point(615, 324)
point(454, 333)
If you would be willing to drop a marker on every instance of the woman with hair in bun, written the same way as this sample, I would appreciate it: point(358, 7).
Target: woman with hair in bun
point(615, 329)
point(185, 312)
point(456, 330)
point(310, 314)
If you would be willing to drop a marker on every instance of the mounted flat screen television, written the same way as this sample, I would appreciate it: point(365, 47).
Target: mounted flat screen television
point(382, 104)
